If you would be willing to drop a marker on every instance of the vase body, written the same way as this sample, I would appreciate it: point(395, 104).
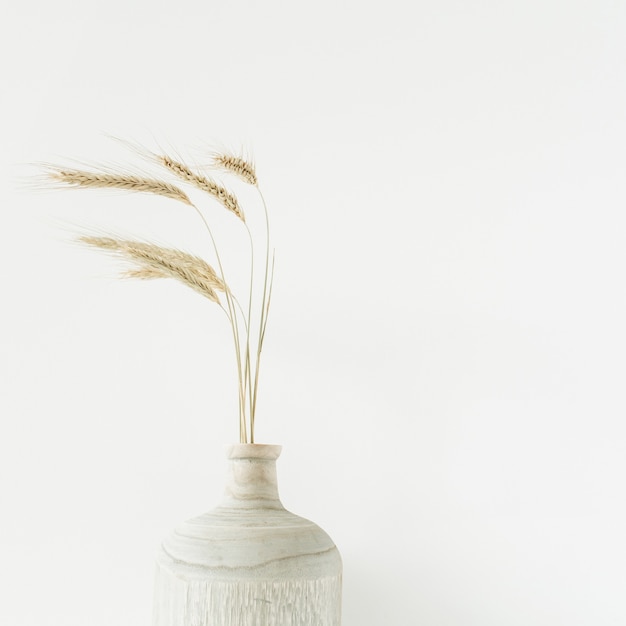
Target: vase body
point(248, 562)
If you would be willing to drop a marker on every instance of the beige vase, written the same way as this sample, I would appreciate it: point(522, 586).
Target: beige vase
point(249, 562)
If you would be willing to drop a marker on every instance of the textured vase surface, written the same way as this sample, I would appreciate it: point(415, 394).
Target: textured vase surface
point(248, 562)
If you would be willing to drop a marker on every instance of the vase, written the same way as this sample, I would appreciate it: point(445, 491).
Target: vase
point(248, 562)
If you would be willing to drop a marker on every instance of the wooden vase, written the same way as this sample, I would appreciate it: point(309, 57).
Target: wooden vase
point(248, 562)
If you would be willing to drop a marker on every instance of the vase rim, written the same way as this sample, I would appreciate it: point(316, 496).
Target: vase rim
point(263, 451)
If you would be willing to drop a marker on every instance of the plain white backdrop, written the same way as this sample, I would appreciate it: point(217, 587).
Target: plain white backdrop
point(444, 364)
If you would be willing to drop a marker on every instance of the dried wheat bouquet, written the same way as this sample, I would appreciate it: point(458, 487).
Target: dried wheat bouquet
point(149, 261)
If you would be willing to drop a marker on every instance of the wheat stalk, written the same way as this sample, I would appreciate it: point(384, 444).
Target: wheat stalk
point(230, 202)
point(151, 261)
point(156, 262)
point(127, 182)
point(183, 172)
point(238, 166)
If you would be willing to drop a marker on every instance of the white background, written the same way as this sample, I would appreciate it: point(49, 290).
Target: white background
point(445, 362)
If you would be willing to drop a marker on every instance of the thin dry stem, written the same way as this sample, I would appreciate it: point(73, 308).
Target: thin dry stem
point(238, 166)
point(127, 182)
point(205, 184)
point(265, 302)
point(189, 269)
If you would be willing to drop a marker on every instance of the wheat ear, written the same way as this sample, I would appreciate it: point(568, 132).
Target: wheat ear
point(207, 185)
point(236, 165)
point(86, 179)
point(145, 273)
point(156, 262)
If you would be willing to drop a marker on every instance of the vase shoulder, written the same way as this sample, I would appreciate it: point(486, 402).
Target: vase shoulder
point(247, 539)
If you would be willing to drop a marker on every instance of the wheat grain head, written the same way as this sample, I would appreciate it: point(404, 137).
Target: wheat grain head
point(145, 273)
point(128, 182)
point(237, 166)
point(157, 262)
point(227, 199)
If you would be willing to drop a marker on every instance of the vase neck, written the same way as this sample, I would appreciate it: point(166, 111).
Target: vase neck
point(252, 481)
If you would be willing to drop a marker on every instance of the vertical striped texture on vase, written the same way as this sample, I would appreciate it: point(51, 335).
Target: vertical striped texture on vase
point(249, 562)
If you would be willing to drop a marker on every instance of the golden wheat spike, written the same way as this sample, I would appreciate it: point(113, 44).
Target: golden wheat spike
point(203, 183)
point(145, 273)
point(156, 262)
point(101, 180)
point(238, 166)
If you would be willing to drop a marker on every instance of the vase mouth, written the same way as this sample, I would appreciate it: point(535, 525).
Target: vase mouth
point(260, 451)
